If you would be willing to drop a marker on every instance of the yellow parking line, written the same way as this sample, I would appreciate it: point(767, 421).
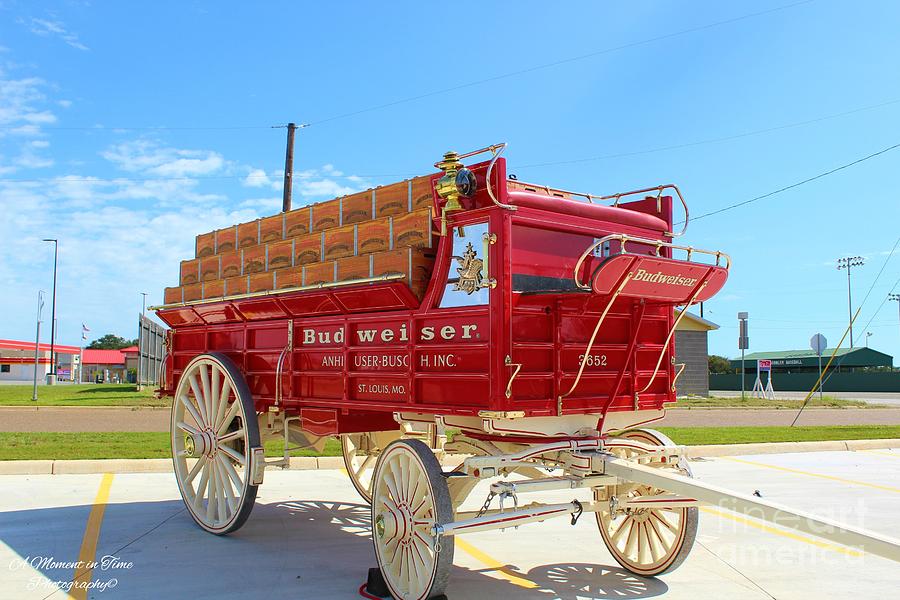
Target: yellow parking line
point(876, 486)
point(776, 531)
point(502, 570)
point(87, 554)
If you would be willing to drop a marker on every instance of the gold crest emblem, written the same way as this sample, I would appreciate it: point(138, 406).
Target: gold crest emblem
point(469, 270)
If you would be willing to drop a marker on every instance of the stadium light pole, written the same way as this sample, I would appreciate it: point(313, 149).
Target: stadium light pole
point(52, 378)
point(846, 263)
point(37, 343)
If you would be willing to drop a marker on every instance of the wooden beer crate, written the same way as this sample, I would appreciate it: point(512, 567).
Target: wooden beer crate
point(226, 239)
point(392, 199)
point(420, 192)
point(412, 229)
point(290, 277)
point(373, 236)
point(271, 229)
point(280, 255)
point(254, 259)
point(356, 208)
point(308, 249)
point(261, 282)
point(210, 268)
point(230, 265)
point(340, 242)
point(206, 245)
point(321, 272)
point(248, 234)
point(415, 263)
point(190, 271)
point(297, 222)
point(193, 292)
point(354, 267)
point(213, 289)
point(326, 215)
point(236, 285)
point(173, 295)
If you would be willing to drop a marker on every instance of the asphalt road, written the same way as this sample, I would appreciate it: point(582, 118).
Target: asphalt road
point(308, 537)
point(146, 419)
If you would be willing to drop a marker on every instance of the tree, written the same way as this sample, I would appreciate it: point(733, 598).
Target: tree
point(719, 364)
point(110, 341)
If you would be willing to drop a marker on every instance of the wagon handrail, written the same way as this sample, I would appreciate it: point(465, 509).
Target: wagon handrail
point(658, 244)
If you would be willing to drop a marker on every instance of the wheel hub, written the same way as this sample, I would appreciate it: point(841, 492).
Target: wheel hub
point(201, 443)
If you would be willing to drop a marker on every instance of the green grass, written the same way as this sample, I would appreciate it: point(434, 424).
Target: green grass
point(83, 445)
point(22, 446)
point(750, 402)
point(86, 394)
point(698, 436)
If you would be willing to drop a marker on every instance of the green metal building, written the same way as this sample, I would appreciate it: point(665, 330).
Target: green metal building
point(846, 360)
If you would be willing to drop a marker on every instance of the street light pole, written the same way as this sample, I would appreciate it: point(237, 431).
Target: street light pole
point(847, 263)
point(37, 343)
point(52, 378)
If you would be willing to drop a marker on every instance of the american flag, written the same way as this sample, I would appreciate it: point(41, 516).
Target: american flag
point(84, 331)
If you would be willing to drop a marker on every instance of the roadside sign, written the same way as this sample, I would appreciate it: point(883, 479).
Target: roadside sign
point(764, 365)
point(818, 343)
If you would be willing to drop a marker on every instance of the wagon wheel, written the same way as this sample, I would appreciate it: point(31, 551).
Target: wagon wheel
point(361, 451)
point(648, 541)
point(214, 422)
point(410, 497)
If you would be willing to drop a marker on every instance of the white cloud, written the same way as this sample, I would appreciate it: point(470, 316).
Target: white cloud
point(40, 144)
point(18, 103)
point(149, 157)
point(257, 178)
point(46, 27)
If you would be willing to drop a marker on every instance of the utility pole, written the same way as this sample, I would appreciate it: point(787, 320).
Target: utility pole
point(52, 378)
point(288, 168)
point(37, 343)
point(847, 263)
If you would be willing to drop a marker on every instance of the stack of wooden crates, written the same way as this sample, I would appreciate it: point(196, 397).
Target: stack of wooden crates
point(382, 231)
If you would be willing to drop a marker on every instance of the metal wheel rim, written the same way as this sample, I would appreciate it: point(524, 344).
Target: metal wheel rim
point(650, 540)
point(404, 512)
point(209, 425)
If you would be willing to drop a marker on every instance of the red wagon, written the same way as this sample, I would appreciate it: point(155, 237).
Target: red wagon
point(538, 332)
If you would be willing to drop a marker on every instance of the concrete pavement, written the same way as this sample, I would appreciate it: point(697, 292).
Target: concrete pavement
point(308, 538)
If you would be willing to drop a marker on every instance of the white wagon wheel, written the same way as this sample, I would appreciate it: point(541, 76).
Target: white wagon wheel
point(648, 541)
point(214, 427)
point(410, 497)
point(361, 452)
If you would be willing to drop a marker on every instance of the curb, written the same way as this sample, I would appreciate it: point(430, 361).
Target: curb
point(308, 463)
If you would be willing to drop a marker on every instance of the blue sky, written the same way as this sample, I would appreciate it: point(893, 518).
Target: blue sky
point(127, 129)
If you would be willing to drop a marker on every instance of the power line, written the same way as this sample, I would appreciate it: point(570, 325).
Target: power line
point(709, 140)
point(797, 184)
point(114, 180)
point(557, 63)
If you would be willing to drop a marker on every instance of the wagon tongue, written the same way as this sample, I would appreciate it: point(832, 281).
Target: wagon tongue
point(658, 278)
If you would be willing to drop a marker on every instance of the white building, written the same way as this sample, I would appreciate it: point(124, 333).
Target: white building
point(17, 361)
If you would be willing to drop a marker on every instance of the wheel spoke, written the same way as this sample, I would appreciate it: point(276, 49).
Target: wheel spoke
point(621, 530)
point(221, 484)
point(214, 393)
point(193, 472)
point(659, 517)
point(198, 396)
point(223, 402)
point(233, 475)
point(207, 395)
point(212, 501)
point(365, 464)
point(202, 487)
point(232, 435)
point(191, 409)
point(229, 417)
point(234, 454)
point(187, 428)
point(632, 539)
